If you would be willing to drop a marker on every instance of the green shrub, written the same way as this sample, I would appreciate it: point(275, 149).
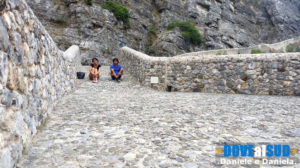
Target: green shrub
point(289, 48)
point(152, 35)
point(292, 48)
point(109, 50)
point(259, 4)
point(256, 3)
point(120, 12)
point(222, 53)
point(188, 30)
point(256, 51)
point(62, 19)
point(89, 2)
point(153, 31)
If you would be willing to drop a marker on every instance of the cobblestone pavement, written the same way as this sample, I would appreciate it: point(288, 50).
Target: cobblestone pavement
point(111, 124)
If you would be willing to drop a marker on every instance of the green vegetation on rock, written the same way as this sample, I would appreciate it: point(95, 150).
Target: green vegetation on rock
point(222, 53)
point(152, 35)
point(62, 19)
point(292, 48)
point(259, 4)
point(189, 31)
point(89, 2)
point(120, 11)
point(256, 51)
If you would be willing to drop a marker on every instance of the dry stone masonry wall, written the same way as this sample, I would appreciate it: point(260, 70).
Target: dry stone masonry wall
point(143, 67)
point(273, 74)
point(34, 75)
point(280, 47)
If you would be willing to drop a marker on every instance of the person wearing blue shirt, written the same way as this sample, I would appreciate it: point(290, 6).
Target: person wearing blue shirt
point(116, 70)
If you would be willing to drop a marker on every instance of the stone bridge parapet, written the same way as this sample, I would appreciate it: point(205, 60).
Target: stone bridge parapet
point(263, 74)
point(34, 76)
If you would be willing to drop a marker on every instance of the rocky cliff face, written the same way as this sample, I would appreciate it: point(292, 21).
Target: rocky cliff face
point(223, 24)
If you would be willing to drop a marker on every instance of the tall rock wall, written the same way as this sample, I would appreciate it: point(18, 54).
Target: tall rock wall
point(223, 24)
point(34, 75)
point(264, 74)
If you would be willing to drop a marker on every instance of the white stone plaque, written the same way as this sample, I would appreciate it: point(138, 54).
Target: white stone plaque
point(154, 79)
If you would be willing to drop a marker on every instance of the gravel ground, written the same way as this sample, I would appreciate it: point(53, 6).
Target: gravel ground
point(111, 124)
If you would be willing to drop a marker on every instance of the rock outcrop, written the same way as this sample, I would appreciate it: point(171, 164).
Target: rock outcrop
point(34, 75)
point(223, 23)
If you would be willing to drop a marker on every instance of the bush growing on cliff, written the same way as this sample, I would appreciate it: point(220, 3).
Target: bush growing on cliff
point(152, 35)
point(222, 53)
point(189, 31)
point(120, 12)
point(62, 19)
point(256, 51)
point(292, 48)
point(259, 4)
point(89, 2)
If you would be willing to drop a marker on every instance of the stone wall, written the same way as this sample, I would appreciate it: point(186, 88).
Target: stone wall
point(34, 75)
point(143, 67)
point(279, 47)
point(273, 74)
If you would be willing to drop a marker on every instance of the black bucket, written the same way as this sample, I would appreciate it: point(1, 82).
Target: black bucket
point(80, 75)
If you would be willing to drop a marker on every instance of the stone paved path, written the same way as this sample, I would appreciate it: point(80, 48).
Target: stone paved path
point(125, 125)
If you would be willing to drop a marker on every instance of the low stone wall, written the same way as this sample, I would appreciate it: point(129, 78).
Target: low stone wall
point(279, 47)
point(34, 76)
point(273, 74)
point(143, 67)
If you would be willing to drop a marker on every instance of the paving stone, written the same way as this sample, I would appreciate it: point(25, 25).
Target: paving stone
point(111, 124)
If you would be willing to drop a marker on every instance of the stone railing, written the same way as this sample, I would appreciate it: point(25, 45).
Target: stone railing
point(279, 47)
point(273, 74)
point(34, 76)
point(144, 67)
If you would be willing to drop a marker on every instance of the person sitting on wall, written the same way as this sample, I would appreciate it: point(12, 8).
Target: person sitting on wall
point(95, 70)
point(116, 70)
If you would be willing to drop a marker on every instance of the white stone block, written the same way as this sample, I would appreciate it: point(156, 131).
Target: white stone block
point(72, 53)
